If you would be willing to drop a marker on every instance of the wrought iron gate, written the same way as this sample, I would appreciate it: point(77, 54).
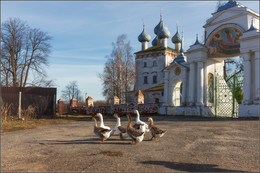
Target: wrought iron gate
point(228, 94)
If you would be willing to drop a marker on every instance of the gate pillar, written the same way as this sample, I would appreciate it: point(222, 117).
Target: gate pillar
point(200, 84)
point(249, 47)
point(257, 81)
point(191, 82)
point(247, 78)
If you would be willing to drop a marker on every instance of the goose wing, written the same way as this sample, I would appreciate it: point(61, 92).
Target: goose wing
point(103, 130)
point(157, 130)
point(121, 129)
point(134, 132)
point(136, 126)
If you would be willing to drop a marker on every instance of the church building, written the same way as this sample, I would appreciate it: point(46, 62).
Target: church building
point(191, 82)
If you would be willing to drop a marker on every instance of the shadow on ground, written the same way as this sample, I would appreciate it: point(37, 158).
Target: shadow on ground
point(85, 141)
point(189, 167)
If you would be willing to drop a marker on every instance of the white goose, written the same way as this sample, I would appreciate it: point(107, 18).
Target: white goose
point(137, 136)
point(101, 124)
point(102, 133)
point(120, 129)
point(139, 122)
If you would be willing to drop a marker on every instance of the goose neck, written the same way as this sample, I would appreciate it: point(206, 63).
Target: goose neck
point(118, 123)
point(130, 121)
point(101, 121)
point(95, 122)
point(151, 122)
point(137, 116)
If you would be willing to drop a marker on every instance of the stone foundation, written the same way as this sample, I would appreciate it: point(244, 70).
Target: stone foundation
point(248, 110)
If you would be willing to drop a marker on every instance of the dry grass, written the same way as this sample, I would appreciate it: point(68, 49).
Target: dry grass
point(7, 126)
point(12, 125)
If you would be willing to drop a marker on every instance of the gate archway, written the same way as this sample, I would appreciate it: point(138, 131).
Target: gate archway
point(177, 92)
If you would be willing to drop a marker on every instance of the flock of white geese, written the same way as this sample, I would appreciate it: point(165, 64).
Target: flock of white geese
point(136, 132)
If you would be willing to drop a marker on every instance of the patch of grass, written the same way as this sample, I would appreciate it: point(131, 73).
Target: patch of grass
point(75, 117)
point(7, 126)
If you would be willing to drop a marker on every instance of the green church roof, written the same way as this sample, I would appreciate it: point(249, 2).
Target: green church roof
point(157, 48)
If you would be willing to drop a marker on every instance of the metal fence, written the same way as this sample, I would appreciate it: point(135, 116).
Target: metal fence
point(15, 101)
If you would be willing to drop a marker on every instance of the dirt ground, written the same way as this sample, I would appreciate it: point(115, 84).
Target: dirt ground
point(191, 144)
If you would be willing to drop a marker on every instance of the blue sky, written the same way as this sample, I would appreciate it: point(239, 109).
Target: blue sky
point(83, 31)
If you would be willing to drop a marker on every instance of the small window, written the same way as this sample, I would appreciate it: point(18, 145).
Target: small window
point(154, 63)
point(145, 80)
point(145, 64)
point(154, 79)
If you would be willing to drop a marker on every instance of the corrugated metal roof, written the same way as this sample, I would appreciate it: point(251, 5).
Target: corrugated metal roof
point(156, 88)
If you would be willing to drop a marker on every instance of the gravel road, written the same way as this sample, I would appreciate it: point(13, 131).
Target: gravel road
point(190, 145)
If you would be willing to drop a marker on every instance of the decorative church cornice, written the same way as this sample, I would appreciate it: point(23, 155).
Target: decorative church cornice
point(156, 51)
point(240, 11)
point(197, 46)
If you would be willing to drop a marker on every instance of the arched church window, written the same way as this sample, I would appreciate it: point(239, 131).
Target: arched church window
point(210, 88)
point(154, 79)
point(145, 80)
point(145, 64)
point(154, 63)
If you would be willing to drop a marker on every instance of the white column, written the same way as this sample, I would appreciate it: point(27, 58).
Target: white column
point(247, 78)
point(199, 84)
point(191, 84)
point(166, 87)
point(257, 76)
point(183, 100)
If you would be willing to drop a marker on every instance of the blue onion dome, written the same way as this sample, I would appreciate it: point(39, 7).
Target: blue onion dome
point(177, 38)
point(163, 32)
point(144, 36)
point(157, 28)
point(155, 41)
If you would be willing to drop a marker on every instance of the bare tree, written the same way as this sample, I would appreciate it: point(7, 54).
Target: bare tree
point(24, 51)
point(118, 76)
point(233, 66)
point(71, 91)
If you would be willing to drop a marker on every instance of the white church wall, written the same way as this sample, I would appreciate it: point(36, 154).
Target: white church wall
point(248, 110)
point(249, 44)
point(149, 71)
point(252, 93)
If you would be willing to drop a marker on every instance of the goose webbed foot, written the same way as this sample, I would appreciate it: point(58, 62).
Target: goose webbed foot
point(102, 140)
point(121, 137)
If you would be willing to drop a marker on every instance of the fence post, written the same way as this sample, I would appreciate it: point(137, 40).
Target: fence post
point(216, 93)
point(20, 105)
point(54, 105)
point(233, 97)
